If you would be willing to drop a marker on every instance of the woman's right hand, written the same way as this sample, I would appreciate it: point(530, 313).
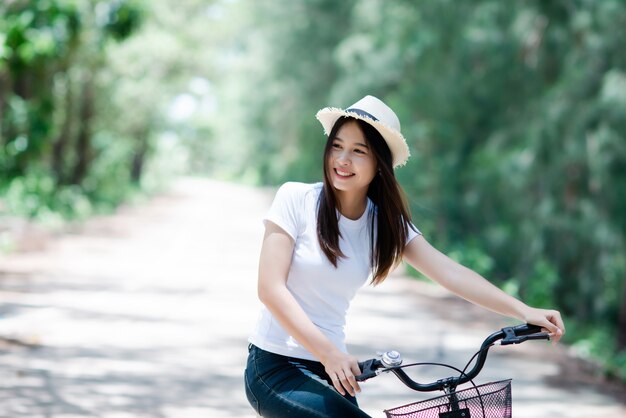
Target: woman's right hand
point(342, 369)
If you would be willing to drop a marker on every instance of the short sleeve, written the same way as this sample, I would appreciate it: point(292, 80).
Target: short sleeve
point(286, 209)
point(413, 232)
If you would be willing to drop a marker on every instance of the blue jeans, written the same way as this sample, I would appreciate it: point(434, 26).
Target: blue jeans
point(279, 386)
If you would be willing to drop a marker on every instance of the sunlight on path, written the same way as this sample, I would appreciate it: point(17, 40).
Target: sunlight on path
point(141, 314)
point(146, 314)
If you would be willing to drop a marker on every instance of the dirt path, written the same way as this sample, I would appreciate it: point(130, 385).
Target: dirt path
point(146, 314)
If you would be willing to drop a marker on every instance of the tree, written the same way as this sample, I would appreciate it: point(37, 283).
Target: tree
point(514, 112)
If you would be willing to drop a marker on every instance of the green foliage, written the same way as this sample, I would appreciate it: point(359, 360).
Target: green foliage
point(35, 42)
point(36, 196)
point(471, 255)
point(108, 183)
point(514, 113)
point(71, 144)
point(538, 288)
point(119, 18)
point(597, 344)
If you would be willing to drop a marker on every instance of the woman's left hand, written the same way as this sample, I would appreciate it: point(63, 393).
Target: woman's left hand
point(550, 320)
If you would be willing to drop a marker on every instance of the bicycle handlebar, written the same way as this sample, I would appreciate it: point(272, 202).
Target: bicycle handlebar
point(507, 336)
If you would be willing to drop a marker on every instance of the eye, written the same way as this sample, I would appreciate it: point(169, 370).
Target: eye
point(360, 151)
point(336, 145)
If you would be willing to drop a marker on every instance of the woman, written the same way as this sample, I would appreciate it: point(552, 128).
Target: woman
point(322, 242)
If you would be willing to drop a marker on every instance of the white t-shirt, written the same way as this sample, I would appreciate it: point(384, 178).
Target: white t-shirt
point(323, 291)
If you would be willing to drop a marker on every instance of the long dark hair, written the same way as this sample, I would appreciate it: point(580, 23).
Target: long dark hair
point(392, 221)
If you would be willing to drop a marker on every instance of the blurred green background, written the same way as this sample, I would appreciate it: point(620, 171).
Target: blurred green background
point(515, 113)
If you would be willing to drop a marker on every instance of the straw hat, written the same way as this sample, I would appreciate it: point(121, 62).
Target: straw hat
point(380, 116)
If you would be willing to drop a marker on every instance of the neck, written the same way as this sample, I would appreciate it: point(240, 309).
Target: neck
point(351, 206)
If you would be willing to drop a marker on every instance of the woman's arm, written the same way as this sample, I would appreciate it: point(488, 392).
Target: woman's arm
point(471, 286)
point(274, 264)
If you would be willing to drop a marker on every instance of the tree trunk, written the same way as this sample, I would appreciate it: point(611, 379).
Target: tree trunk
point(83, 143)
point(22, 84)
point(139, 157)
point(60, 145)
point(6, 90)
point(621, 320)
point(3, 95)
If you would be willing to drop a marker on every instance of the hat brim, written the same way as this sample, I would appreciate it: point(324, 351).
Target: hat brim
point(394, 139)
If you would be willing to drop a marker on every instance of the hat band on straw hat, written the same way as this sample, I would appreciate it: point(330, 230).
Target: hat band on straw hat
point(362, 113)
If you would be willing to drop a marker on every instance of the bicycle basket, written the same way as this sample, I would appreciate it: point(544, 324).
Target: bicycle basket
point(491, 400)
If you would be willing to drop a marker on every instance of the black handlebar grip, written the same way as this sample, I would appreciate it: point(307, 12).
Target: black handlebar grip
point(368, 369)
point(526, 329)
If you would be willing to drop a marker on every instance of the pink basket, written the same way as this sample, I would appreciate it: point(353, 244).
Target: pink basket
point(491, 400)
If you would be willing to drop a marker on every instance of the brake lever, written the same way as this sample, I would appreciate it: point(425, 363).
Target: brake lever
point(511, 338)
point(538, 336)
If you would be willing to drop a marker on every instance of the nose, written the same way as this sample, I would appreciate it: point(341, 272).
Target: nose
point(343, 157)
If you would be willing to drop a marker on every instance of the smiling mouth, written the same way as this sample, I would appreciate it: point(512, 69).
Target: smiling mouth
point(343, 174)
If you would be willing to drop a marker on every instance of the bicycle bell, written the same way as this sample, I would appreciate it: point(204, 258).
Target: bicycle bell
point(391, 358)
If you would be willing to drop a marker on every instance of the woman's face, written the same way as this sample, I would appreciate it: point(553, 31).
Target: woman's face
point(351, 161)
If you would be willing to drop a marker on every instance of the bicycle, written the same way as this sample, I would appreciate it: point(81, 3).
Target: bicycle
point(489, 400)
